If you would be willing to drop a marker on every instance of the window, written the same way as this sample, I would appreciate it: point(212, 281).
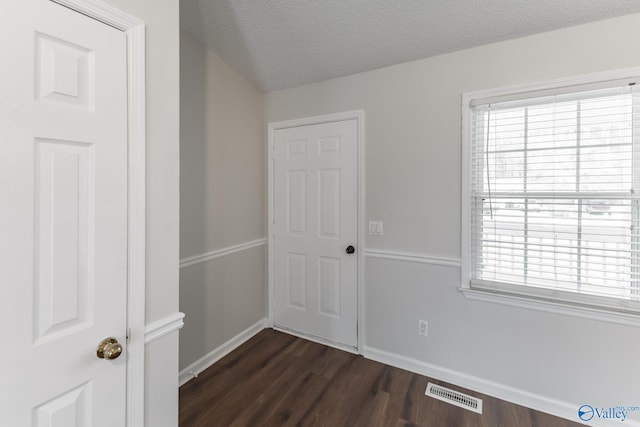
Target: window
point(552, 194)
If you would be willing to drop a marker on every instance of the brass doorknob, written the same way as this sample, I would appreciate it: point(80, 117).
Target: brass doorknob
point(109, 349)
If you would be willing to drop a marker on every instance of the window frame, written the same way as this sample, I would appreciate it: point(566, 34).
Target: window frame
point(570, 303)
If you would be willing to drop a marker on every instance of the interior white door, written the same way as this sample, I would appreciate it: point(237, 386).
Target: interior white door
point(315, 212)
point(63, 216)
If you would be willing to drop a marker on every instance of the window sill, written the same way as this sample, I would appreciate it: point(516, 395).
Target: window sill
point(559, 307)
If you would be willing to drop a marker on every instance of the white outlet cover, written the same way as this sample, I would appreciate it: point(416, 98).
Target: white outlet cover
point(423, 327)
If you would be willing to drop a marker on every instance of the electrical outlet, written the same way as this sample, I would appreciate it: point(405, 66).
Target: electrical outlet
point(423, 328)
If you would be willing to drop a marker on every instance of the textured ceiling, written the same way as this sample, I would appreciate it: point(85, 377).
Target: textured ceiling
point(279, 44)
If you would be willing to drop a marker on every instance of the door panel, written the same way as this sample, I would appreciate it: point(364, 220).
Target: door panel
point(329, 285)
point(297, 280)
point(315, 212)
point(329, 203)
point(63, 238)
point(297, 202)
point(63, 222)
point(71, 409)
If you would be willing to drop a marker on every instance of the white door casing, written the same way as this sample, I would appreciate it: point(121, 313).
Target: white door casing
point(315, 218)
point(63, 169)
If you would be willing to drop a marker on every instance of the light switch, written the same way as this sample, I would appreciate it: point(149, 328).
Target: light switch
point(375, 228)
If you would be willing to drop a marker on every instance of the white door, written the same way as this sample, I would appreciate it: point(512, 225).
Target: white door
point(315, 212)
point(63, 217)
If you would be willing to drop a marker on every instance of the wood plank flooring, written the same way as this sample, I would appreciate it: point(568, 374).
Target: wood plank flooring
point(276, 379)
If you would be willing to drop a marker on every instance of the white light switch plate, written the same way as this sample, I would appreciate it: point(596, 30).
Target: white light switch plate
point(375, 228)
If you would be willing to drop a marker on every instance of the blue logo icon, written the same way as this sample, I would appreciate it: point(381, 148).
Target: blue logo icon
point(586, 412)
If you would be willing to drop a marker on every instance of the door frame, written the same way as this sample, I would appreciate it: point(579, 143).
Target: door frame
point(359, 116)
point(134, 29)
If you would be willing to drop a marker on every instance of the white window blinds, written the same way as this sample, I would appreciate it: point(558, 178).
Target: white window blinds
point(555, 196)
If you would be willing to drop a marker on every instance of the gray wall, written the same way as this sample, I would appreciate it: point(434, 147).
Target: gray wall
point(413, 184)
point(222, 191)
point(163, 121)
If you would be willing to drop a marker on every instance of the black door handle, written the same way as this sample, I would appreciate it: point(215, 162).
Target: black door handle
point(350, 249)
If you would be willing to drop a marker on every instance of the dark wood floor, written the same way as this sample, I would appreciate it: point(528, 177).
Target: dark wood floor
point(276, 379)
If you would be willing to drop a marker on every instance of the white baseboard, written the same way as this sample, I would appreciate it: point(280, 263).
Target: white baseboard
point(209, 359)
point(537, 402)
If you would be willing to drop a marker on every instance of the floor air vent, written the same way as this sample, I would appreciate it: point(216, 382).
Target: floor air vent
point(454, 397)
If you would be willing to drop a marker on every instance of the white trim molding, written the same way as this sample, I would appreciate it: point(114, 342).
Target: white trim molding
point(534, 401)
point(359, 116)
point(553, 306)
point(162, 327)
point(194, 369)
point(102, 12)
point(197, 259)
point(136, 245)
point(137, 223)
point(413, 257)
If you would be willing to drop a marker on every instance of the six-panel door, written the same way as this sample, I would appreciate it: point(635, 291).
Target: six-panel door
point(315, 213)
point(63, 221)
